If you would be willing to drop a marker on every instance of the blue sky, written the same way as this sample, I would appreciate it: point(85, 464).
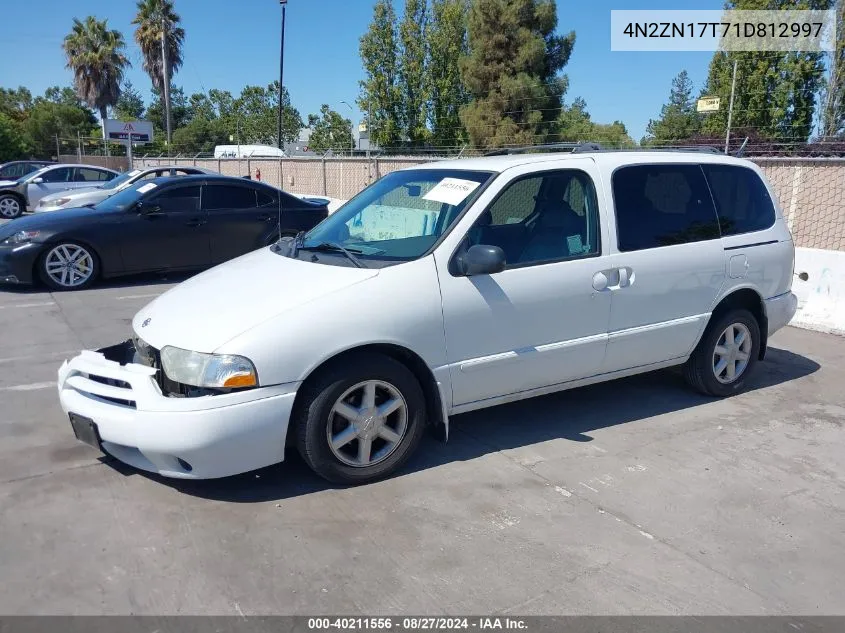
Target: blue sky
point(231, 43)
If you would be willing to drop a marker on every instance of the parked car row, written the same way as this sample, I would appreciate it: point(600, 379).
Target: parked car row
point(24, 194)
point(439, 289)
point(156, 224)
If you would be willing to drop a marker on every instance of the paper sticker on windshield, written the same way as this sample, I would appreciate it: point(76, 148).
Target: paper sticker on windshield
point(145, 188)
point(451, 191)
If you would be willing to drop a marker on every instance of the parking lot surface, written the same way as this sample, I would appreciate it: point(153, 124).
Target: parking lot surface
point(631, 497)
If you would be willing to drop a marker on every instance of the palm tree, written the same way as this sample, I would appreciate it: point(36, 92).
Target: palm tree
point(95, 54)
point(153, 17)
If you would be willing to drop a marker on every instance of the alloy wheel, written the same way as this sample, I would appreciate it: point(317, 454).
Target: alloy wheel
point(69, 265)
point(367, 423)
point(732, 353)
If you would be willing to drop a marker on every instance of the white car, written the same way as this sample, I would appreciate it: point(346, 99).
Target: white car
point(440, 289)
point(89, 196)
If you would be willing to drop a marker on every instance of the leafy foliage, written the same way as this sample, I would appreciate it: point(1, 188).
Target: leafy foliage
point(833, 118)
point(413, 37)
point(512, 72)
point(329, 130)
point(95, 55)
point(447, 42)
point(678, 118)
point(11, 138)
point(575, 124)
point(380, 92)
point(130, 105)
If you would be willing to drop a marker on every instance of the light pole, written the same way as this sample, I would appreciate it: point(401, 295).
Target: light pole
point(351, 128)
point(281, 74)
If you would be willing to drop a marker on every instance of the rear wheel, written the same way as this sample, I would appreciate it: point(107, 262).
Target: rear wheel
point(68, 266)
point(361, 420)
point(10, 206)
point(726, 355)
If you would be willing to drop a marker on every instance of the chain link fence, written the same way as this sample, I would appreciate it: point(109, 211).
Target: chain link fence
point(811, 191)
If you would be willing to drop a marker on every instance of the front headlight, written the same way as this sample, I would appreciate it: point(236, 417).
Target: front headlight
point(59, 202)
point(208, 370)
point(21, 237)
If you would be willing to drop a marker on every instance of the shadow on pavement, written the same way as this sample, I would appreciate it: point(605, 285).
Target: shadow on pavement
point(569, 415)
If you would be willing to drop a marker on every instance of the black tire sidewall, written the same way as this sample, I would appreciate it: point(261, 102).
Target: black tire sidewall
point(312, 415)
point(45, 278)
point(704, 353)
point(21, 206)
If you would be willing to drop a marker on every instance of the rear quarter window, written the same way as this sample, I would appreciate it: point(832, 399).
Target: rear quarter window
point(662, 205)
point(742, 200)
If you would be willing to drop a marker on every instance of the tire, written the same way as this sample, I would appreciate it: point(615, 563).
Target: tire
point(344, 386)
point(82, 271)
point(708, 371)
point(10, 206)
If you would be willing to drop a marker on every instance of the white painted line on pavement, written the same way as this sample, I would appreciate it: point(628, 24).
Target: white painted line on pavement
point(30, 305)
point(12, 359)
point(157, 294)
point(33, 386)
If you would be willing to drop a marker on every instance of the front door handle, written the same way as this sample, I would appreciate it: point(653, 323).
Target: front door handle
point(195, 222)
point(267, 218)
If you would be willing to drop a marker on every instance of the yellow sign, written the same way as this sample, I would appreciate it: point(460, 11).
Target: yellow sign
point(708, 104)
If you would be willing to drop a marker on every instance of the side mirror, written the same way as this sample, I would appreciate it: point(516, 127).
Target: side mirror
point(37, 181)
point(481, 259)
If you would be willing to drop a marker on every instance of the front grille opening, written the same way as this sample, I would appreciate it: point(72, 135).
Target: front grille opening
point(111, 382)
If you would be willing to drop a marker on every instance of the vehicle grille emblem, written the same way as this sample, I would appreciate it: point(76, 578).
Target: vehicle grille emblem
point(146, 322)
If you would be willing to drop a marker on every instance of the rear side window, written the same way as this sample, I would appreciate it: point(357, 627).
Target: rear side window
point(84, 174)
point(228, 197)
point(742, 200)
point(264, 198)
point(179, 199)
point(662, 205)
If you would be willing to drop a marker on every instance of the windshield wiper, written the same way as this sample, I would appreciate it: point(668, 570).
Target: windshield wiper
point(334, 246)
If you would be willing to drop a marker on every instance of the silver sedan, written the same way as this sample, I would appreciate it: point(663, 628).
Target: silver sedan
point(17, 196)
point(89, 196)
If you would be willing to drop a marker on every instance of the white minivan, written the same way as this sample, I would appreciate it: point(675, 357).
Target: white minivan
point(440, 289)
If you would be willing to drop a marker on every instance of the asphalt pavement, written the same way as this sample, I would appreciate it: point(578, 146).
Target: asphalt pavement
point(631, 497)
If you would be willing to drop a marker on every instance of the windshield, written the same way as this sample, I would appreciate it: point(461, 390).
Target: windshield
point(119, 181)
point(125, 198)
point(401, 216)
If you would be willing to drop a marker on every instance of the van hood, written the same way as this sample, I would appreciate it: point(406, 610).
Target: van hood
point(206, 311)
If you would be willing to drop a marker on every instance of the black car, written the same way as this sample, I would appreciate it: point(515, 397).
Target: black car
point(162, 224)
point(19, 168)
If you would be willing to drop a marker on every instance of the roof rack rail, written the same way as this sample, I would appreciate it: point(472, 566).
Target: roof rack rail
point(585, 147)
point(552, 147)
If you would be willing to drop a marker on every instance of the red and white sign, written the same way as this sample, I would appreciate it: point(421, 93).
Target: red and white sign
point(136, 131)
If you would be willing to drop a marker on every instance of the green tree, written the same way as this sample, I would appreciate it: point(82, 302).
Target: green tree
point(833, 118)
point(329, 130)
point(447, 38)
point(95, 55)
point(47, 120)
point(201, 107)
point(413, 84)
point(12, 145)
point(255, 114)
point(380, 95)
point(512, 72)
point(775, 92)
point(678, 119)
point(200, 135)
point(179, 111)
point(576, 125)
point(130, 105)
point(153, 18)
point(15, 102)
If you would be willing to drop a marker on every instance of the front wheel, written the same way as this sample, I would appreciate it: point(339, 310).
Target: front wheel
point(725, 356)
point(10, 206)
point(360, 420)
point(68, 266)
